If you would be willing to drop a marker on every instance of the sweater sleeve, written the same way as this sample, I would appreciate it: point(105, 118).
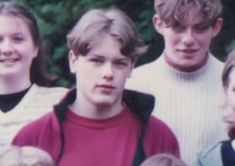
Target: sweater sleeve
point(160, 139)
point(33, 132)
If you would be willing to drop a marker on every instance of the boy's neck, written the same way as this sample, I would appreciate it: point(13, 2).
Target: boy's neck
point(185, 68)
point(90, 110)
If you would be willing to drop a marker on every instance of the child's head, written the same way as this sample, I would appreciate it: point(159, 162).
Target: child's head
point(163, 160)
point(17, 13)
point(27, 156)
point(175, 12)
point(188, 27)
point(96, 23)
point(228, 80)
point(103, 48)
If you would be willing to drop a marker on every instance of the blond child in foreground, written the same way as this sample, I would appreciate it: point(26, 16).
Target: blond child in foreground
point(24, 156)
point(163, 160)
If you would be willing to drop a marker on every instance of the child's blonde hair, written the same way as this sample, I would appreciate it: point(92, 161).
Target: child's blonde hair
point(24, 156)
point(163, 160)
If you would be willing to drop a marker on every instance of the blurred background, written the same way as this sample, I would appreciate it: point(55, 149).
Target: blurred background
point(56, 18)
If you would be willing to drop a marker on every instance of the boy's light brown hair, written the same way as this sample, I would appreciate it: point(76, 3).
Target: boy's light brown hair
point(97, 23)
point(174, 12)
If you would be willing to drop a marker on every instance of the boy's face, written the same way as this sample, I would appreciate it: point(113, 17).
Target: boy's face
point(230, 92)
point(229, 112)
point(102, 73)
point(187, 45)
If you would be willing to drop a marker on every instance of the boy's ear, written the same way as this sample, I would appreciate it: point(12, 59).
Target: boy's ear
point(72, 61)
point(218, 26)
point(158, 24)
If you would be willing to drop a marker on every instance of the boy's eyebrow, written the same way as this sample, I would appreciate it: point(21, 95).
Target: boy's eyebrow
point(123, 58)
point(203, 24)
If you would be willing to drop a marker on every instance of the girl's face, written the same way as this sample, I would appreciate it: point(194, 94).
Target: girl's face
point(17, 49)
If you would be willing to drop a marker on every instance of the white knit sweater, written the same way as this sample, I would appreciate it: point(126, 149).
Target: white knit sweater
point(36, 102)
point(187, 101)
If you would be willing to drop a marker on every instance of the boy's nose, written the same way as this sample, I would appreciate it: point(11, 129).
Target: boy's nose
point(108, 72)
point(188, 38)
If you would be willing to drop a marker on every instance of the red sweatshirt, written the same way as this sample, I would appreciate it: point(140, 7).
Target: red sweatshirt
point(83, 141)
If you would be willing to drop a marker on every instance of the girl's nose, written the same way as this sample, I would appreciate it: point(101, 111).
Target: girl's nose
point(6, 47)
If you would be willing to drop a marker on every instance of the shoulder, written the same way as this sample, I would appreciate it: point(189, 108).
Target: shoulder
point(52, 90)
point(216, 62)
point(31, 132)
point(156, 126)
point(210, 155)
point(48, 94)
point(145, 69)
point(142, 77)
point(160, 139)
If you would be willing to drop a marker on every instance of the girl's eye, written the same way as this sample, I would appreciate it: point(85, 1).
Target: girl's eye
point(18, 39)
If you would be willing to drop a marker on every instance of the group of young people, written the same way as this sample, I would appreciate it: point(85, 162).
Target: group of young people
point(103, 120)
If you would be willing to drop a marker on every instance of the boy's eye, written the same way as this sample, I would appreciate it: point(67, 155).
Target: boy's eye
point(96, 60)
point(200, 28)
point(121, 63)
point(178, 28)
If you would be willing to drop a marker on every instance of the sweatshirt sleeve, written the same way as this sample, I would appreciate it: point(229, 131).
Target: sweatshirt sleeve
point(32, 133)
point(27, 135)
point(160, 139)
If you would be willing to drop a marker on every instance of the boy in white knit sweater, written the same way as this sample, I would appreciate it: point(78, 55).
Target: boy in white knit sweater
point(186, 78)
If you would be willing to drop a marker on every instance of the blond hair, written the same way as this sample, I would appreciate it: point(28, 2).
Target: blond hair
point(24, 156)
point(163, 160)
point(96, 23)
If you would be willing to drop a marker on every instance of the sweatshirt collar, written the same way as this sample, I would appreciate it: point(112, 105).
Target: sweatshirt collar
point(139, 103)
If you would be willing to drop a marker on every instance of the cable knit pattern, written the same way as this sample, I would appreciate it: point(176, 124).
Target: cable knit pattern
point(187, 101)
point(36, 102)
